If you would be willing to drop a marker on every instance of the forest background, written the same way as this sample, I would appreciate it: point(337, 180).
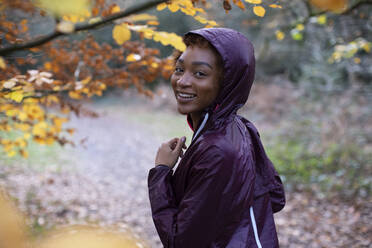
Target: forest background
point(108, 62)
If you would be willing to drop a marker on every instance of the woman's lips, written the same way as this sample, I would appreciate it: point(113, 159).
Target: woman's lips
point(185, 97)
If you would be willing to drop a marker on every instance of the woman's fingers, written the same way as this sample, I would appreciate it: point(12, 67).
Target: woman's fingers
point(172, 143)
point(180, 144)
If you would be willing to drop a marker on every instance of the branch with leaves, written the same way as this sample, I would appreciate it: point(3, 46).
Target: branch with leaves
point(81, 27)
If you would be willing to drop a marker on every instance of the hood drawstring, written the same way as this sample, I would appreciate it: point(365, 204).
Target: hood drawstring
point(201, 126)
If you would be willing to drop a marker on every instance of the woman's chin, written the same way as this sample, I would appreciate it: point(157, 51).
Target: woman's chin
point(182, 111)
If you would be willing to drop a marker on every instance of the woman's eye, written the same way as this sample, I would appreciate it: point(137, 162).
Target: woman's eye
point(178, 70)
point(200, 74)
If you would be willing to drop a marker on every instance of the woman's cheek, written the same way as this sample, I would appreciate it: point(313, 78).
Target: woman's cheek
point(173, 80)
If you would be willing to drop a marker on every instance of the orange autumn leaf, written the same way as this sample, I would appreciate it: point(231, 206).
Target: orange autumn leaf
point(254, 1)
point(331, 5)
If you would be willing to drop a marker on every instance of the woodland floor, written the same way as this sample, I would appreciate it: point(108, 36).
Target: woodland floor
point(105, 181)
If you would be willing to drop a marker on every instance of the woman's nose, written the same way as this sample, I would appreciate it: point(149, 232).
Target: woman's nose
point(184, 80)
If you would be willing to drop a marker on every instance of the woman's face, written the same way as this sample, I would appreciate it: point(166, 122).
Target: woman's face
point(195, 80)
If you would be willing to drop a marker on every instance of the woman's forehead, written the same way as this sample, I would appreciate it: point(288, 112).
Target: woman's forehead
point(198, 55)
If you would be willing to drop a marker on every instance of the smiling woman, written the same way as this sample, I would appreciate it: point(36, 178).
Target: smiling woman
point(225, 189)
point(196, 79)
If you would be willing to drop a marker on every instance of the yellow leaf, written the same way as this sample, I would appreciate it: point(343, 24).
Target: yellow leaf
point(86, 80)
point(71, 18)
point(189, 11)
point(74, 95)
point(121, 33)
point(11, 112)
point(173, 7)
point(201, 19)
point(254, 1)
point(115, 9)
point(33, 111)
point(22, 126)
point(279, 35)
point(16, 96)
point(66, 27)
point(212, 23)
point(133, 57)
point(11, 153)
point(40, 129)
point(155, 23)
point(161, 6)
point(367, 47)
point(58, 123)
point(22, 116)
point(275, 6)
point(154, 65)
point(143, 17)
point(2, 63)
point(27, 135)
point(85, 90)
point(65, 7)
point(357, 60)
point(300, 27)
point(322, 19)
point(259, 11)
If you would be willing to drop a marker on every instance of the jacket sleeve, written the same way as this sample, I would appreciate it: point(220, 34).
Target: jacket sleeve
point(208, 196)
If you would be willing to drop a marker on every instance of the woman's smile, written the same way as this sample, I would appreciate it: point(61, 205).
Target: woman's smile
point(185, 97)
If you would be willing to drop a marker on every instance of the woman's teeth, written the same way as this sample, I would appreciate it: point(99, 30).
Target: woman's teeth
point(184, 95)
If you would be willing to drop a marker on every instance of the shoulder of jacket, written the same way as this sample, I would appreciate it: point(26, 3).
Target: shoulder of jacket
point(216, 147)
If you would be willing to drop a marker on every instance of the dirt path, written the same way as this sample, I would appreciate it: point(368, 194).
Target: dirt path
point(116, 157)
point(105, 182)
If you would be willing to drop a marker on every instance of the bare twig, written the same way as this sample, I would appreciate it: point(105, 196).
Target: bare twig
point(81, 27)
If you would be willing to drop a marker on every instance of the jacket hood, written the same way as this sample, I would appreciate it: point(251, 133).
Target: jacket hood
point(237, 54)
point(239, 68)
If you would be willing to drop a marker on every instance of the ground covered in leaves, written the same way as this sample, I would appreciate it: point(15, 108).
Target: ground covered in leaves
point(105, 183)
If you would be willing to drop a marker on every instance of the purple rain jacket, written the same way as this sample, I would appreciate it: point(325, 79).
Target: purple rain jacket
point(225, 189)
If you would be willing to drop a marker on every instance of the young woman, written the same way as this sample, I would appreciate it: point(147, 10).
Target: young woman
point(225, 189)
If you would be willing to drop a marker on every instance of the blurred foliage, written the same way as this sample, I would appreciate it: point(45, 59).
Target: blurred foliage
point(12, 224)
point(41, 86)
point(42, 82)
point(325, 144)
point(14, 233)
point(323, 43)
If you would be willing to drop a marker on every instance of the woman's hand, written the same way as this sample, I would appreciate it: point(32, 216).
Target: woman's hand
point(169, 152)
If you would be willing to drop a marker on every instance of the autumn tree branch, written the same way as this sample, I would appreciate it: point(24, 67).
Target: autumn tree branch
point(81, 27)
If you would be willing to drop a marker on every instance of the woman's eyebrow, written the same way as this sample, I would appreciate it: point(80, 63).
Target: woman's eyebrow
point(201, 63)
point(196, 63)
